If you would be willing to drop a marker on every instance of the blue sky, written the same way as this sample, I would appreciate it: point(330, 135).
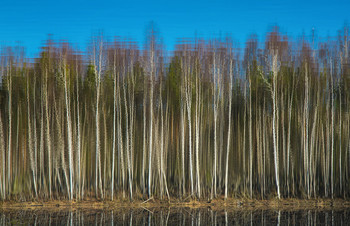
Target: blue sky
point(30, 21)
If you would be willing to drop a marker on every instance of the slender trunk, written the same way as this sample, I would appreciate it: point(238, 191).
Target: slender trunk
point(78, 141)
point(244, 138)
point(340, 142)
point(161, 149)
point(48, 136)
point(198, 104)
point(216, 93)
point(114, 122)
point(120, 139)
point(144, 156)
point(275, 122)
point(41, 145)
point(61, 145)
point(306, 134)
point(229, 129)
point(98, 184)
point(332, 128)
point(182, 119)
point(188, 103)
point(106, 151)
point(161, 178)
point(151, 128)
point(250, 140)
point(131, 127)
point(30, 144)
point(3, 164)
point(127, 141)
point(69, 132)
point(166, 138)
point(289, 137)
point(9, 141)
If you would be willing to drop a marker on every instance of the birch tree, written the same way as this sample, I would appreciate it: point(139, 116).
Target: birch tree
point(97, 62)
point(229, 127)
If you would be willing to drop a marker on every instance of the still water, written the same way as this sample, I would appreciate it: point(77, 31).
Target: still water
point(175, 216)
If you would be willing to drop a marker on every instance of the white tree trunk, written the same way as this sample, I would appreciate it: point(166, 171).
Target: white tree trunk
point(30, 142)
point(275, 121)
point(9, 141)
point(69, 131)
point(198, 114)
point(48, 136)
point(151, 127)
point(114, 122)
point(182, 119)
point(332, 127)
point(98, 182)
point(78, 141)
point(229, 129)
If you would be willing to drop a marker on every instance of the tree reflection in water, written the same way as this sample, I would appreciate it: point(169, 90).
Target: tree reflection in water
point(175, 216)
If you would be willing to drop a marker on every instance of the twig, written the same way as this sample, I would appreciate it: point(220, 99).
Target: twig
point(188, 197)
point(147, 209)
point(147, 200)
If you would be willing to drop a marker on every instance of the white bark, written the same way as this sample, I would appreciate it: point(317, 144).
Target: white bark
point(188, 96)
point(78, 139)
point(144, 135)
point(229, 129)
point(48, 136)
point(61, 147)
point(275, 121)
point(289, 135)
point(332, 127)
point(198, 114)
point(127, 140)
point(306, 134)
point(120, 139)
point(215, 96)
point(250, 139)
point(161, 178)
point(182, 121)
point(30, 141)
point(9, 141)
point(114, 121)
point(151, 124)
point(97, 68)
point(69, 128)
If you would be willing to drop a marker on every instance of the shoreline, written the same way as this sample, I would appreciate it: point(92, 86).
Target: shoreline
point(232, 204)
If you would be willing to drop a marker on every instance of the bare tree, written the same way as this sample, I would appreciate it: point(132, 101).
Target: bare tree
point(97, 62)
point(229, 127)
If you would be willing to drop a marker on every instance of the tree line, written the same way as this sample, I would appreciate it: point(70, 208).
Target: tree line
point(208, 120)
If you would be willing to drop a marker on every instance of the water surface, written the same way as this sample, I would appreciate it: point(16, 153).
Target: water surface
point(175, 216)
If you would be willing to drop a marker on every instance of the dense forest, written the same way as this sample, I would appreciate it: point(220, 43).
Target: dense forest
point(206, 120)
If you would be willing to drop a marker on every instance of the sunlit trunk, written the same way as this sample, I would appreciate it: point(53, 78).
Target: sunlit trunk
point(229, 129)
point(275, 122)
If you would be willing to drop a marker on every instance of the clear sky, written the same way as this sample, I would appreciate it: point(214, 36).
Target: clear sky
point(30, 21)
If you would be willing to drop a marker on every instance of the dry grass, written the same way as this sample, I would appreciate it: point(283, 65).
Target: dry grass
point(216, 204)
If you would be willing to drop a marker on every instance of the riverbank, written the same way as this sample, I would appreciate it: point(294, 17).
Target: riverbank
point(216, 204)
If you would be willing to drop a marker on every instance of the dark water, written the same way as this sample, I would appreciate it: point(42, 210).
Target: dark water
point(175, 216)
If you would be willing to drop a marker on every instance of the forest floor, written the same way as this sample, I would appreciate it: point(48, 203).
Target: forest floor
point(216, 204)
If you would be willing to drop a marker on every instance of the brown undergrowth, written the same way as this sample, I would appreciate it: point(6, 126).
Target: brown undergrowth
point(153, 203)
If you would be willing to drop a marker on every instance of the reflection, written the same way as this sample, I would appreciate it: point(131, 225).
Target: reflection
point(174, 216)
